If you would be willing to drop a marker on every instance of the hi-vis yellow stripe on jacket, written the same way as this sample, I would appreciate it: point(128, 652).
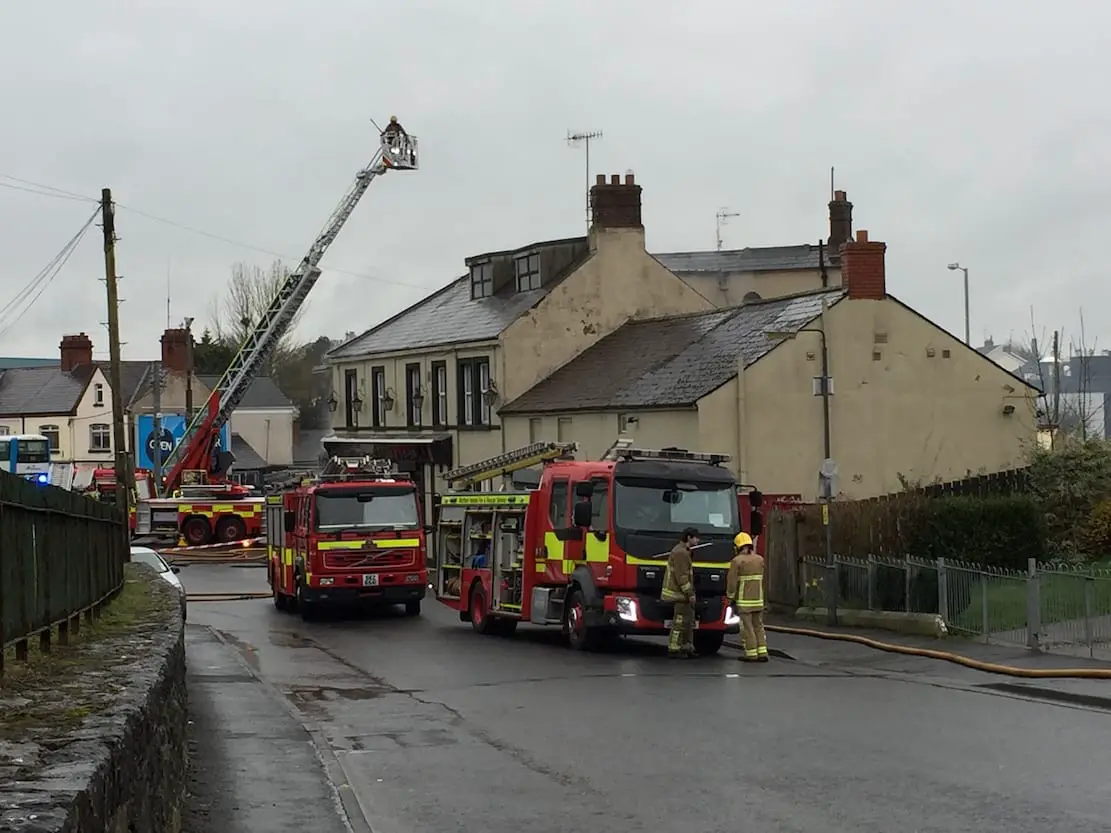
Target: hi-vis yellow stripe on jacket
point(679, 575)
point(745, 582)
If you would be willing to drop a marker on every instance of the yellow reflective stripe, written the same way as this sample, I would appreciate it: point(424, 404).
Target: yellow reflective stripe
point(384, 543)
point(223, 507)
point(287, 556)
point(541, 566)
point(185, 507)
point(272, 499)
point(662, 562)
point(597, 551)
point(484, 500)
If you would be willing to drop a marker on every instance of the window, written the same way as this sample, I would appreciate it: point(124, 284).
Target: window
point(563, 429)
point(482, 280)
point(528, 272)
point(5, 431)
point(5, 455)
point(100, 437)
point(600, 505)
point(53, 436)
point(350, 396)
point(535, 429)
point(378, 396)
point(439, 393)
point(414, 399)
point(557, 509)
point(98, 395)
point(474, 380)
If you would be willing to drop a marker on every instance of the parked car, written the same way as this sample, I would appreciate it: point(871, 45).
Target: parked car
point(145, 555)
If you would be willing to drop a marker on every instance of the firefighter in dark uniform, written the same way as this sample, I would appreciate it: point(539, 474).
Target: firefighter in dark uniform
point(744, 587)
point(394, 130)
point(679, 589)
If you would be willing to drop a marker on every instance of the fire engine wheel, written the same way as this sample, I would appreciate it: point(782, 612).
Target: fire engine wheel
point(307, 609)
point(230, 529)
point(708, 643)
point(579, 636)
point(196, 531)
point(480, 615)
point(412, 608)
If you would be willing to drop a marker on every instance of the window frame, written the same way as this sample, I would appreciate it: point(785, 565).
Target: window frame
point(474, 412)
point(350, 392)
point(558, 514)
point(53, 434)
point(482, 280)
point(414, 416)
point(527, 271)
point(98, 394)
point(378, 396)
point(100, 429)
point(439, 394)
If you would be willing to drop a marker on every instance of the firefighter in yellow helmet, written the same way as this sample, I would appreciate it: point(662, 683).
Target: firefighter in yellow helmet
point(679, 589)
point(745, 590)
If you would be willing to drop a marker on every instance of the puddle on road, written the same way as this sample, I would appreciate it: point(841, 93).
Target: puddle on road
point(249, 651)
point(287, 639)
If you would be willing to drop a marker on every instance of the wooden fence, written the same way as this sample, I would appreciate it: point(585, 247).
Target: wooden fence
point(61, 554)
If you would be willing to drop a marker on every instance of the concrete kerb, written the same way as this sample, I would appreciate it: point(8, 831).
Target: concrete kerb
point(911, 624)
point(122, 768)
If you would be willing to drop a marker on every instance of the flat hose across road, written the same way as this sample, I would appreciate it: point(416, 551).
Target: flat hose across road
point(227, 597)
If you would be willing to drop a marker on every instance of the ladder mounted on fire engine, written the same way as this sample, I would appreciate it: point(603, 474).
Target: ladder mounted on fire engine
point(356, 468)
point(396, 151)
point(509, 462)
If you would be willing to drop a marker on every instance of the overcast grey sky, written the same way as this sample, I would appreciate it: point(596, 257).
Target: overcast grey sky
point(974, 131)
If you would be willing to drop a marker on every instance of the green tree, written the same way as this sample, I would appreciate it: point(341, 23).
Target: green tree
point(211, 356)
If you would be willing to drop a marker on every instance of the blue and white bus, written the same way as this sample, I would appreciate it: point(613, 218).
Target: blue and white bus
point(27, 455)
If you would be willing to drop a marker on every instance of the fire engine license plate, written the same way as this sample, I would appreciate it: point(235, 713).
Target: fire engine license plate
point(370, 579)
point(667, 623)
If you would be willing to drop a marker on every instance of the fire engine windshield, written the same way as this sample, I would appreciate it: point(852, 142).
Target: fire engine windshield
point(668, 506)
point(378, 507)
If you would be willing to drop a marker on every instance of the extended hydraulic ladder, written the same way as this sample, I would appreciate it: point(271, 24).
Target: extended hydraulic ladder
point(509, 462)
point(396, 151)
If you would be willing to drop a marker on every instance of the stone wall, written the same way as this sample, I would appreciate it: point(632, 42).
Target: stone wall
point(121, 768)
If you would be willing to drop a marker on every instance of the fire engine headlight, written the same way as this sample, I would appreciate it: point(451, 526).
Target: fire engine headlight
point(327, 582)
point(731, 617)
point(627, 609)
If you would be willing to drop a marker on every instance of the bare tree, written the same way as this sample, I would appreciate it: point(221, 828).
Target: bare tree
point(249, 292)
point(1081, 408)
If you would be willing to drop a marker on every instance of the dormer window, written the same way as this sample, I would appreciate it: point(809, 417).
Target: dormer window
point(528, 272)
point(482, 280)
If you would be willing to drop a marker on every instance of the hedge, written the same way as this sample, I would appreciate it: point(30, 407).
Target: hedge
point(999, 531)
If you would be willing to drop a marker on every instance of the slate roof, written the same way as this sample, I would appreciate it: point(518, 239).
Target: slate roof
point(763, 259)
point(27, 391)
point(8, 362)
point(672, 361)
point(263, 392)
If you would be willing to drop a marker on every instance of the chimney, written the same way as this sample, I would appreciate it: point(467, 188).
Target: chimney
point(840, 220)
point(616, 204)
point(76, 350)
point(175, 350)
point(862, 268)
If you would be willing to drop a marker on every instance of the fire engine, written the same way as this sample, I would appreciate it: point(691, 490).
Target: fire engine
point(586, 550)
point(195, 500)
point(352, 534)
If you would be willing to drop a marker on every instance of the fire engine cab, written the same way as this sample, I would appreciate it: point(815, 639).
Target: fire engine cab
point(586, 550)
point(353, 534)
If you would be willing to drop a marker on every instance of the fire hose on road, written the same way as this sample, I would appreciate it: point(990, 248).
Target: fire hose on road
point(226, 597)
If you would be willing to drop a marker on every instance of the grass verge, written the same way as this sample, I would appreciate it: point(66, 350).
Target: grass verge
point(59, 689)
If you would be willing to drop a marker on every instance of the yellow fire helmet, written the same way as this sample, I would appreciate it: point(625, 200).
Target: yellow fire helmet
point(743, 539)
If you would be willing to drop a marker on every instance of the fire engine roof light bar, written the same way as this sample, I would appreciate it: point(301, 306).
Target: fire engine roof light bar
point(676, 454)
point(511, 461)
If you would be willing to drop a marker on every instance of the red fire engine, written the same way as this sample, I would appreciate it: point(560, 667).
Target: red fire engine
point(198, 503)
point(354, 534)
point(586, 550)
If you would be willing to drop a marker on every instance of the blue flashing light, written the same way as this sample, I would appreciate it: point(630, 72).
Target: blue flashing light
point(42, 479)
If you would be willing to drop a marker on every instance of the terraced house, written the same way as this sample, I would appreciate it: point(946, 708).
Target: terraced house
point(426, 386)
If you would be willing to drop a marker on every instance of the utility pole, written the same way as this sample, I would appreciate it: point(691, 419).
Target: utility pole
point(108, 223)
point(723, 215)
point(573, 139)
point(189, 373)
point(1056, 390)
point(156, 402)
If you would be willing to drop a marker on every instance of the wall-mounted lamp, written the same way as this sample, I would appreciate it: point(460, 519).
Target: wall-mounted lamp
point(388, 400)
point(356, 403)
point(333, 403)
point(418, 399)
point(490, 393)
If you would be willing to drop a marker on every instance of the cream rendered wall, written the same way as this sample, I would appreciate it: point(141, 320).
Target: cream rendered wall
point(730, 290)
point(88, 413)
point(620, 281)
point(595, 432)
point(900, 412)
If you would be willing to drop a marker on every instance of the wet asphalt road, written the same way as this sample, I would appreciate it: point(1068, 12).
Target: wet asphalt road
point(425, 726)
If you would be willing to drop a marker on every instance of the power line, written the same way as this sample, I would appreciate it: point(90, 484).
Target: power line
point(61, 193)
point(39, 284)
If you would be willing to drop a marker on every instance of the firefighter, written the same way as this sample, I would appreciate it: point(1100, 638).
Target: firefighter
point(745, 589)
point(679, 589)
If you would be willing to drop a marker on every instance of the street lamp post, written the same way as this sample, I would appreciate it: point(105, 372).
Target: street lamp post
point(828, 468)
point(952, 268)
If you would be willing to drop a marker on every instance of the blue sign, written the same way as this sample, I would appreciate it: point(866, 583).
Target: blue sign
point(173, 429)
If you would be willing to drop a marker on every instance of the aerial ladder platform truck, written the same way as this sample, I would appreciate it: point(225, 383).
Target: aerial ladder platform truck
point(195, 500)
